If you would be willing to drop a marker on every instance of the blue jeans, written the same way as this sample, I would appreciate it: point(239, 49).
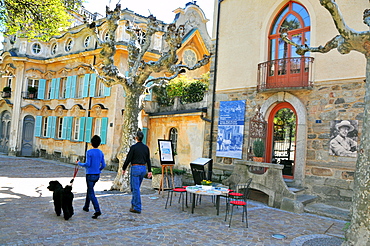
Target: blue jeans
point(137, 176)
point(91, 179)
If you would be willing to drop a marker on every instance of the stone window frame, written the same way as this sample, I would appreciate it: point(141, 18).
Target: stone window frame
point(193, 57)
point(36, 48)
point(53, 49)
point(69, 45)
point(87, 41)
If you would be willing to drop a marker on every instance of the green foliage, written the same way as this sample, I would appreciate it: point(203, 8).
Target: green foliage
point(40, 19)
point(32, 89)
point(158, 170)
point(258, 148)
point(188, 90)
point(7, 89)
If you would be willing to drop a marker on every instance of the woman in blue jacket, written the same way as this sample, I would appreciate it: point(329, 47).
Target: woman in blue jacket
point(94, 164)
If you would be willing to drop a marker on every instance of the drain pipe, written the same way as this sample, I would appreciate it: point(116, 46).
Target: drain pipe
point(214, 79)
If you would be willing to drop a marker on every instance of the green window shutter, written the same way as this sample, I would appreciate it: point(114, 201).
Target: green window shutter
point(73, 87)
point(92, 85)
point(52, 90)
point(107, 91)
point(88, 129)
point(53, 126)
point(145, 132)
point(68, 86)
point(104, 130)
point(69, 121)
point(38, 124)
point(85, 92)
point(41, 89)
point(82, 129)
point(57, 88)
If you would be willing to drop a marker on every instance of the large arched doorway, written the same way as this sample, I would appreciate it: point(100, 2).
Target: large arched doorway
point(5, 122)
point(27, 135)
point(281, 137)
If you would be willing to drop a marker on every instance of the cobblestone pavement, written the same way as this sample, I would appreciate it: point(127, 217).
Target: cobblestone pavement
point(27, 216)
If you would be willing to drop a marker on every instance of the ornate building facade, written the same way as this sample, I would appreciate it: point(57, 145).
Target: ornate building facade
point(53, 103)
point(304, 100)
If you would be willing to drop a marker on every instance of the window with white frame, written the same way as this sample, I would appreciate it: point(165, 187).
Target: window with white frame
point(63, 87)
point(106, 36)
point(36, 48)
point(48, 89)
point(87, 41)
point(80, 86)
point(53, 50)
point(99, 88)
point(32, 83)
point(9, 81)
point(76, 129)
point(59, 126)
point(141, 36)
point(69, 45)
point(97, 127)
point(44, 128)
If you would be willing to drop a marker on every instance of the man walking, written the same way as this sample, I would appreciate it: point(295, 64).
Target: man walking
point(139, 158)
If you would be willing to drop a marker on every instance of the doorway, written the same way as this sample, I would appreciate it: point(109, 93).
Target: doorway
point(281, 138)
point(27, 135)
point(5, 122)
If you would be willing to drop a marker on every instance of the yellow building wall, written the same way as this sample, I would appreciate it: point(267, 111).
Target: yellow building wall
point(243, 40)
point(190, 129)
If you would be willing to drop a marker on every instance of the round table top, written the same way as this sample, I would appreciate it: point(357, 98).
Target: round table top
point(207, 190)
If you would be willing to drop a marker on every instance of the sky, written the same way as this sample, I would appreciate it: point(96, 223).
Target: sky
point(161, 9)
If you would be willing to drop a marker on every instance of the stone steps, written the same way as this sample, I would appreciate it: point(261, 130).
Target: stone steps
point(310, 206)
point(328, 211)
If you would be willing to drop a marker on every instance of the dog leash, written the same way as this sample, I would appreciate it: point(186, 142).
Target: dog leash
point(74, 174)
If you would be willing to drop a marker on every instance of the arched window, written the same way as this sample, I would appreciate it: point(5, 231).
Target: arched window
point(173, 138)
point(295, 19)
point(285, 68)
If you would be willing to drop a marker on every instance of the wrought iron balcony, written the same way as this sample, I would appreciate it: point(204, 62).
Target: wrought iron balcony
point(29, 95)
point(6, 94)
point(294, 72)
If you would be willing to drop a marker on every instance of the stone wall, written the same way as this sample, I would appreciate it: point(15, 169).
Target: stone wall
point(329, 177)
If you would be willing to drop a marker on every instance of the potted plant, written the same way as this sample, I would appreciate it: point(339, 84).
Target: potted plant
point(157, 176)
point(31, 91)
point(6, 91)
point(258, 150)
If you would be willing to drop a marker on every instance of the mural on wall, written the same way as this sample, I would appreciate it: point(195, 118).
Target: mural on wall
point(230, 129)
point(344, 137)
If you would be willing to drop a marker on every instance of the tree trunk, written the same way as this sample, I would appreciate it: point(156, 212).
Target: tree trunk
point(129, 129)
point(358, 232)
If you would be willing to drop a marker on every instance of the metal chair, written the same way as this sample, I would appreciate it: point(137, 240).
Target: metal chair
point(181, 191)
point(240, 201)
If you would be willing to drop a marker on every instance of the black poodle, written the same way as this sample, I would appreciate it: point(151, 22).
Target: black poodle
point(63, 199)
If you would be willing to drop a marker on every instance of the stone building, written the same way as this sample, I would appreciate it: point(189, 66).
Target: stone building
point(304, 100)
point(52, 102)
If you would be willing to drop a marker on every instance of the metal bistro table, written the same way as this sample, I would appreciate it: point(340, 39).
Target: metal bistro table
point(208, 191)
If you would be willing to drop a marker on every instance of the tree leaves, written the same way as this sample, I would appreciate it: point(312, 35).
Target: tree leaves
point(40, 19)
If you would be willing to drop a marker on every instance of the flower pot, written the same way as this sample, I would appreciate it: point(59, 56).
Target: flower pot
point(258, 159)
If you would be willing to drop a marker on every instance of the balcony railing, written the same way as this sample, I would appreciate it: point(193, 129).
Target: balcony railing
point(285, 73)
point(29, 95)
point(6, 94)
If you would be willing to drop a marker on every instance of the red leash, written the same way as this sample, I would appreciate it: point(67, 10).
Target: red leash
point(74, 174)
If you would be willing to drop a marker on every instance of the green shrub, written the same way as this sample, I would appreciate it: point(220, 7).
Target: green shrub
point(158, 170)
point(258, 148)
point(188, 90)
